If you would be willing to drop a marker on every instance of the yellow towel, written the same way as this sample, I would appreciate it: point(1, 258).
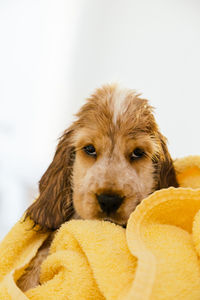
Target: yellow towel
point(156, 257)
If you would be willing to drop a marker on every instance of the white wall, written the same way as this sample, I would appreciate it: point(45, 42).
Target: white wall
point(53, 53)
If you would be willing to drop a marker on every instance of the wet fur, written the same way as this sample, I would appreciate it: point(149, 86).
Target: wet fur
point(115, 121)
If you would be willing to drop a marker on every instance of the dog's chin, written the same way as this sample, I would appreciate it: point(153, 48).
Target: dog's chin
point(113, 221)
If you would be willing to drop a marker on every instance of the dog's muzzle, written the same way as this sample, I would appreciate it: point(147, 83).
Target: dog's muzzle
point(109, 203)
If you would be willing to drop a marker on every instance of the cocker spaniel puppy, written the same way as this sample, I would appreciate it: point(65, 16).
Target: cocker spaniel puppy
point(111, 158)
point(106, 162)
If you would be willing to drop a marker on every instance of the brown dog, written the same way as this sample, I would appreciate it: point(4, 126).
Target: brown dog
point(111, 158)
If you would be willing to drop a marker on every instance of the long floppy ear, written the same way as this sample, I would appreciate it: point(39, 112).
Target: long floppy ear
point(164, 169)
point(54, 205)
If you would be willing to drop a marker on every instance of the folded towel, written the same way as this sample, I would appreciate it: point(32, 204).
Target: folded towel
point(156, 257)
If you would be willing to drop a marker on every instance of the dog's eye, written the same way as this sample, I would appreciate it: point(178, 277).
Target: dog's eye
point(137, 153)
point(90, 150)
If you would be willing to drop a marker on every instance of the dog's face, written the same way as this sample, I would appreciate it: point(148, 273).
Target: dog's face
point(111, 158)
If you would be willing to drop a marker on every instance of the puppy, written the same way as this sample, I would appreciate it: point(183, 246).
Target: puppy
point(106, 162)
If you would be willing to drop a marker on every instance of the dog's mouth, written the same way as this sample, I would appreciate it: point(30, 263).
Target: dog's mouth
point(112, 221)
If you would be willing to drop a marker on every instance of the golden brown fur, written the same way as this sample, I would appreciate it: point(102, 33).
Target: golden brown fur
point(116, 122)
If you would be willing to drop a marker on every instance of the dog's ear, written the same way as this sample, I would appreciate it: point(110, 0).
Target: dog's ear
point(164, 169)
point(54, 204)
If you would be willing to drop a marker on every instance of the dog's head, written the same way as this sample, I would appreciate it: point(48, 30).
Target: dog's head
point(111, 158)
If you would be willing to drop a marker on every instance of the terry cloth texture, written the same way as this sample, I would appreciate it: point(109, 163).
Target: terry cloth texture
point(156, 257)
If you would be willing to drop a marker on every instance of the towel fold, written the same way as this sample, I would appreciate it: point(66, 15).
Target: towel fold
point(156, 257)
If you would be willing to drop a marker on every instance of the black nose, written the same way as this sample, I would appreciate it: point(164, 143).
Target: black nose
point(109, 203)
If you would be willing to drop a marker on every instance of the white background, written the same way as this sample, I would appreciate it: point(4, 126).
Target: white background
point(54, 53)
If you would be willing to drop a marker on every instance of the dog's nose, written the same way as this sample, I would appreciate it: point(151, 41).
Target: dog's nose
point(109, 203)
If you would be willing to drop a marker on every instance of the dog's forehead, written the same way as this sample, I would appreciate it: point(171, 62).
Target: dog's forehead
point(120, 102)
point(115, 109)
